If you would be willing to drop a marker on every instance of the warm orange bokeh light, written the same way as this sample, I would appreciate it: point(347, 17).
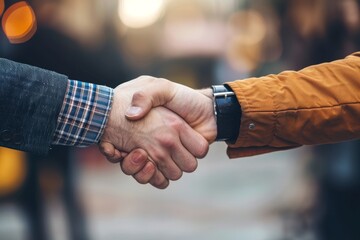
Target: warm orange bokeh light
point(12, 170)
point(19, 22)
point(1, 7)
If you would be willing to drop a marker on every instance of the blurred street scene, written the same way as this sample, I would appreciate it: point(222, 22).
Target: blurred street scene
point(310, 193)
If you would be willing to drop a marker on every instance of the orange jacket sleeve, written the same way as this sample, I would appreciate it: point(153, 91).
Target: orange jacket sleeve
point(317, 105)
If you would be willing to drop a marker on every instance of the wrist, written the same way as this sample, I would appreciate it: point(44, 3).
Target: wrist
point(208, 92)
point(115, 130)
point(210, 129)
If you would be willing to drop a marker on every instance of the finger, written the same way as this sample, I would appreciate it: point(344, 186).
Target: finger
point(161, 92)
point(141, 104)
point(159, 180)
point(123, 154)
point(188, 145)
point(108, 150)
point(193, 141)
point(134, 162)
point(165, 163)
point(117, 157)
point(183, 158)
point(146, 173)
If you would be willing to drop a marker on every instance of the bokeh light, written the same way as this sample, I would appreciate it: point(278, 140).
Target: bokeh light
point(12, 170)
point(244, 51)
point(140, 13)
point(19, 22)
point(1, 7)
point(249, 25)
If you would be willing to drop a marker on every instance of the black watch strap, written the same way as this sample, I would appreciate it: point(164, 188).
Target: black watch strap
point(227, 112)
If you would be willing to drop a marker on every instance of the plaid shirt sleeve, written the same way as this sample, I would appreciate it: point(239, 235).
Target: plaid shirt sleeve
point(84, 114)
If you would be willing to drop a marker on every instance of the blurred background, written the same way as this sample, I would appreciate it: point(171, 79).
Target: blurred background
point(303, 194)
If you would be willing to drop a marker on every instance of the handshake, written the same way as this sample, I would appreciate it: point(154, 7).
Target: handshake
point(157, 129)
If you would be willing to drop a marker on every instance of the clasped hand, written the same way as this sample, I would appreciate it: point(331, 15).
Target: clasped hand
point(157, 129)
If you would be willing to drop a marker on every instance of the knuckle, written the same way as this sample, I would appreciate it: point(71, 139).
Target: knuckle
point(139, 95)
point(158, 157)
point(169, 144)
point(147, 78)
point(177, 124)
point(167, 141)
point(163, 80)
point(161, 166)
point(125, 169)
point(142, 177)
point(104, 150)
point(203, 150)
point(175, 175)
point(140, 180)
point(142, 77)
point(191, 166)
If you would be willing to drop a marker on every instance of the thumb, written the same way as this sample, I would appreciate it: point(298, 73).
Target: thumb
point(140, 106)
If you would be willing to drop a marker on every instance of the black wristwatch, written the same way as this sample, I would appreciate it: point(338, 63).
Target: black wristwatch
point(227, 112)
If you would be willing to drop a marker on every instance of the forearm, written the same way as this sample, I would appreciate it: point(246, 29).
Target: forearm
point(319, 104)
point(30, 100)
point(40, 108)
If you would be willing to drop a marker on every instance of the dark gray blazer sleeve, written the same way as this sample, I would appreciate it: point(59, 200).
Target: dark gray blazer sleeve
point(30, 101)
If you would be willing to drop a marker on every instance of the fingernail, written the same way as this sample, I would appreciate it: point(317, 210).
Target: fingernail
point(133, 111)
point(136, 159)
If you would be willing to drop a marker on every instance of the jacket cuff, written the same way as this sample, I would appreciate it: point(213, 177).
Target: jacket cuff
point(259, 122)
point(83, 115)
point(258, 119)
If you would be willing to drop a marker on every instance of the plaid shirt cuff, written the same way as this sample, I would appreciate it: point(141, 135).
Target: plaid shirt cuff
point(84, 113)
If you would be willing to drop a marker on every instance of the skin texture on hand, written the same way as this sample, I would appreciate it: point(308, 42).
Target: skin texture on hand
point(168, 141)
point(136, 164)
point(194, 106)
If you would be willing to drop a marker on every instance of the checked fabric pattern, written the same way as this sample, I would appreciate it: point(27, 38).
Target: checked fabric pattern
point(84, 113)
